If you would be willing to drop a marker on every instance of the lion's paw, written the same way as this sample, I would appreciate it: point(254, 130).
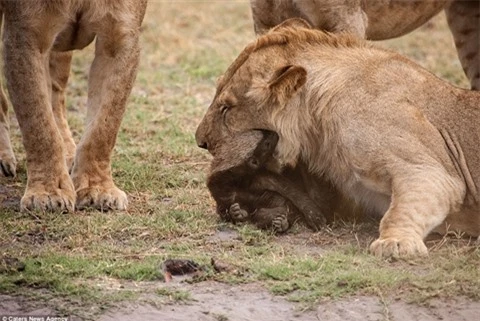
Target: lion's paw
point(406, 247)
point(8, 163)
point(103, 199)
point(48, 199)
point(280, 223)
point(8, 166)
point(237, 213)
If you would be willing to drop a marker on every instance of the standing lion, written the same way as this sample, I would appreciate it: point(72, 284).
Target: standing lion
point(38, 38)
point(383, 130)
point(381, 19)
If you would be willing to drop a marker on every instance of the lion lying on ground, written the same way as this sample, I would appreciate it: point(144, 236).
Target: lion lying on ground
point(378, 20)
point(383, 130)
point(245, 189)
point(38, 39)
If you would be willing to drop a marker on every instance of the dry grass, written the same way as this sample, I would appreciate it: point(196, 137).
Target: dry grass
point(92, 258)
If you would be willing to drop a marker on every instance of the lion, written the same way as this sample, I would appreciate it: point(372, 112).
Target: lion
point(380, 20)
point(39, 37)
point(386, 132)
point(246, 190)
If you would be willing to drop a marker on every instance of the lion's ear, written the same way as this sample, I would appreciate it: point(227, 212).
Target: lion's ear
point(286, 81)
point(294, 23)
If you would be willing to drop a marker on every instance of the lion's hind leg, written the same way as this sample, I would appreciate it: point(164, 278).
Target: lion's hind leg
point(59, 65)
point(421, 199)
point(464, 22)
point(110, 81)
point(8, 163)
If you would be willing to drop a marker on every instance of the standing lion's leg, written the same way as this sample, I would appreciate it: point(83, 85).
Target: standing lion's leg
point(8, 163)
point(26, 50)
point(464, 22)
point(110, 82)
point(421, 200)
point(335, 16)
point(59, 65)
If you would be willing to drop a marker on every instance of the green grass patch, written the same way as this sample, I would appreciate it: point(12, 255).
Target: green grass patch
point(174, 295)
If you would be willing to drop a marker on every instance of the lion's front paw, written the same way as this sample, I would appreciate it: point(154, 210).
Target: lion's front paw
point(237, 213)
point(280, 223)
point(404, 247)
point(49, 197)
point(101, 198)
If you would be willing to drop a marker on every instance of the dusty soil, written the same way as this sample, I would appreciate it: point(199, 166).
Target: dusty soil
point(212, 301)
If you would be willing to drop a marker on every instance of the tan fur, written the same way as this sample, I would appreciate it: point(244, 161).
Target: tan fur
point(8, 163)
point(59, 69)
point(38, 38)
point(383, 130)
point(381, 19)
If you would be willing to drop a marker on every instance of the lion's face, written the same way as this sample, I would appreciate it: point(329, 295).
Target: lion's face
point(233, 110)
point(247, 99)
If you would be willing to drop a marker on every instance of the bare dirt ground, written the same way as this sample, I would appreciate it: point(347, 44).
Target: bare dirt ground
point(213, 301)
point(249, 303)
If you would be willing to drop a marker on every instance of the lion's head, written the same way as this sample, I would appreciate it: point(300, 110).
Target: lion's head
point(268, 85)
point(251, 89)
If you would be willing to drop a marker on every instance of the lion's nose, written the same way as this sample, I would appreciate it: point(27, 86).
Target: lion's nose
point(201, 137)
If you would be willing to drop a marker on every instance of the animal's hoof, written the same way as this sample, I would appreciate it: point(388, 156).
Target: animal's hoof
point(237, 213)
point(58, 200)
point(103, 199)
point(406, 247)
point(280, 224)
